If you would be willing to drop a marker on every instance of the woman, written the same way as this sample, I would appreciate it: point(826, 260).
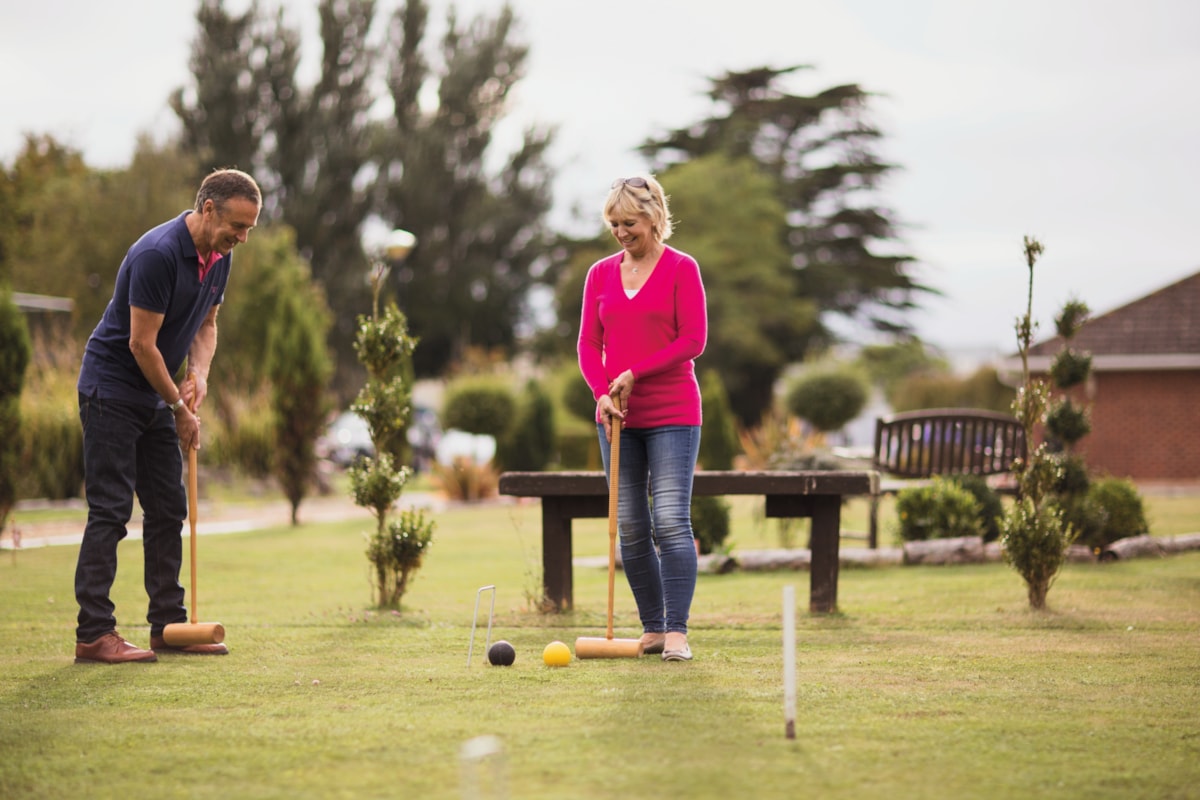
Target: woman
point(644, 322)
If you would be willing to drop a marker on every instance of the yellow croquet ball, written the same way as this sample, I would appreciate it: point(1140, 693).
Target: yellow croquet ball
point(556, 654)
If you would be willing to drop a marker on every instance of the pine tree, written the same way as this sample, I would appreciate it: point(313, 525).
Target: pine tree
point(481, 229)
point(820, 150)
point(299, 368)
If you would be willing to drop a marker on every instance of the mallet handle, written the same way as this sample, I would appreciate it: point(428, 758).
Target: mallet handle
point(193, 490)
point(192, 483)
point(614, 482)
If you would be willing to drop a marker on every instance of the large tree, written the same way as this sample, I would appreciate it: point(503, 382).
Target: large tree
point(41, 174)
point(309, 147)
point(327, 167)
point(479, 227)
point(731, 221)
point(224, 111)
point(820, 151)
point(71, 225)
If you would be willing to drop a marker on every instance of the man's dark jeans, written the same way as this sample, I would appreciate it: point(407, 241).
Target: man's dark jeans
point(130, 449)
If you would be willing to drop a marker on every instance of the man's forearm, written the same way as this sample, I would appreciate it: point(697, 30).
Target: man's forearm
point(151, 363)
point(203, 347)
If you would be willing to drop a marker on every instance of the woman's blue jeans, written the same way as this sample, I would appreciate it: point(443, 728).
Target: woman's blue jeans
point(654, 514)
point(129, 449)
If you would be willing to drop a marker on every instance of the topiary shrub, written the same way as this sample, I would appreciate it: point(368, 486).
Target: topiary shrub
point(827, 400)
point(1117, 513)
point(1036, 539)
point(15, 354)
point(578, 450)
point(718, 438)
point(1070, 487)
point(1084, 518)
point(399, 552)
point(942, 510)
point(397, 547)
point(1034, 534)
point(710, 523)
point(577, 397)
point(990, 507)
point(1066, 422)
point(529, 442)
point(479, 405)
point(1072, 475)
point(1070, 368)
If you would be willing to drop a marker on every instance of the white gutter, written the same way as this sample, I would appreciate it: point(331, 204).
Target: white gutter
point(1011, 367)
point(42, 302)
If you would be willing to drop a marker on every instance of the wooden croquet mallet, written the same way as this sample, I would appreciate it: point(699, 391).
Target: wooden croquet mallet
point(181, 634)
point(608, 647)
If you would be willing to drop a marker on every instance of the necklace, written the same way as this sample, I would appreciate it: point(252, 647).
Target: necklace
point(633, 268)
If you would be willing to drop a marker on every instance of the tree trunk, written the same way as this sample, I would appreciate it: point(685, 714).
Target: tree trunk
point(381, 585)
point(1037, 594)
point(401, 586)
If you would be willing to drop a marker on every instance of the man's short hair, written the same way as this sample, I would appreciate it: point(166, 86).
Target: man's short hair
point(223, 185)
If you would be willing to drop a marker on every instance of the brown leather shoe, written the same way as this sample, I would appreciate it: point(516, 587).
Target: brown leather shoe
point(159, 645)
point(110, 649)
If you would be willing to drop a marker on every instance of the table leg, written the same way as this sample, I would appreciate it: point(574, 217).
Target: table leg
point(557, 575)
point(826, 538)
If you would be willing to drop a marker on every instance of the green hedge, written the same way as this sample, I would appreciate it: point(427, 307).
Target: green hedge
point(942, 510)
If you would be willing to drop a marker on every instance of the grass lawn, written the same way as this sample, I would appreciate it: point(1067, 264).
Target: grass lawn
point(930, 682)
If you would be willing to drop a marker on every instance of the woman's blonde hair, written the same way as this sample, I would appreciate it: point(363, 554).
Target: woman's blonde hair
point(639, 195)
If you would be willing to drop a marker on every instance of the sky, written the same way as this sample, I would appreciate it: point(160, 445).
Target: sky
point(1075, 121)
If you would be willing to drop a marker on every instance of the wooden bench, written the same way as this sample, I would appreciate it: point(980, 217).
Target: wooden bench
point(571, 495)
point(918, 445)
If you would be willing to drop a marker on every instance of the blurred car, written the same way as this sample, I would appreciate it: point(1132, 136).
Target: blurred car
point(475, 447)
point(424, 432)
point(346, 440)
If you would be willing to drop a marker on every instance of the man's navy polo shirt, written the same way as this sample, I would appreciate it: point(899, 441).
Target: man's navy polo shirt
point(160, 273)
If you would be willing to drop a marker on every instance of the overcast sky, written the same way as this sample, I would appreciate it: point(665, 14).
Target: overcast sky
point(1077, 121)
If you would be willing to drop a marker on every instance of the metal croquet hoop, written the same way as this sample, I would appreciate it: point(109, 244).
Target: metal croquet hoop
point(475, 619)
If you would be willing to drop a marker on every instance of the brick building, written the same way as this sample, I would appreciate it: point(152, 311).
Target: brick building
point(1144, 390)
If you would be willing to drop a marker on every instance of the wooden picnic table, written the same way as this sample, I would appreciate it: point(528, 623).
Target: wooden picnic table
point(814, 494)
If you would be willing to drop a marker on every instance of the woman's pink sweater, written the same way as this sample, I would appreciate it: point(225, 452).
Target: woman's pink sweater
point(657, 333)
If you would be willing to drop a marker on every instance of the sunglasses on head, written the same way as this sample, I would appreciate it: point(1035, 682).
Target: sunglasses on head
point(635, 182)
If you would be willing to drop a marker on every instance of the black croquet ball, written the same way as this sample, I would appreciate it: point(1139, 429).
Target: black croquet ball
point(501, 654)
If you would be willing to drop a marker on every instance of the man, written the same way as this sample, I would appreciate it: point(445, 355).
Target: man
point(136, 418)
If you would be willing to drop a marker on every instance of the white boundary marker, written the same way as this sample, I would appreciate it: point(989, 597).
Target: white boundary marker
point(789, 661)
